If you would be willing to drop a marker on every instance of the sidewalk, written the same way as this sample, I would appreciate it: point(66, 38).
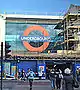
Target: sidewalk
point(24, 85)
point(35, 82)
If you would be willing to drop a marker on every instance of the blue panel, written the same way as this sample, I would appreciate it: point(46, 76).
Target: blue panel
point(27, 64)
point(75, 67)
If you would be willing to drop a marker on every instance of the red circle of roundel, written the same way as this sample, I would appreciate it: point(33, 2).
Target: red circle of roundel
point(31, 48)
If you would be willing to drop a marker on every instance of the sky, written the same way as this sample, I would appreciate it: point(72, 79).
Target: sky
point(36, 6)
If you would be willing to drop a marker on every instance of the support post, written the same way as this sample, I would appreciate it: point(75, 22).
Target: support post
point(1, 61)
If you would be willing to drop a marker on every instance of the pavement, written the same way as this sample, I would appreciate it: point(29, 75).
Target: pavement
point(24, 85)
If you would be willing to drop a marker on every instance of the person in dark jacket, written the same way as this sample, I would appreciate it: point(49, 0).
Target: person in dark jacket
point(67, 83)
point(47, 73)
point(52, 78)
point(23, 75)
point(59, 76)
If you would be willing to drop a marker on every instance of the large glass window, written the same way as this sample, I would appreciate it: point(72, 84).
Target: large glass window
point(14, 32)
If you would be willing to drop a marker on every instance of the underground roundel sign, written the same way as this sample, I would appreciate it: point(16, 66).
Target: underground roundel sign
point(31, 48)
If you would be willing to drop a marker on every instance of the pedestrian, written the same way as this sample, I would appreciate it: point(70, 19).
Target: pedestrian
point(23, 74)
point(59, 76)
point(47, 73)
point(52, 78)
point(30, 75)
point(19, 74)
point(67, 83)
point(43, 75)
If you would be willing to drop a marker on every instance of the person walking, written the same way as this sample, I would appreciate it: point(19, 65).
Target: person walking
point(52, 78)
point(19, 74)
point(47, 73)
point(30, 75)
point(59, 76)
point(23, 74)
point(67, 83)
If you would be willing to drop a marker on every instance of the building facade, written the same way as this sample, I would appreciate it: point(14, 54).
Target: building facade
point(31, 38)
point(35, 41)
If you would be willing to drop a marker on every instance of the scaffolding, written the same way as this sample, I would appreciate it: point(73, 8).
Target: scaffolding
point(71, 32)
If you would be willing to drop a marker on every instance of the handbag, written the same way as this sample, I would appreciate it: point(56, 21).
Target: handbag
point(75, 83)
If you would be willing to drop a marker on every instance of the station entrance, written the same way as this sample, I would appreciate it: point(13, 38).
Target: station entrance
point(59, 65)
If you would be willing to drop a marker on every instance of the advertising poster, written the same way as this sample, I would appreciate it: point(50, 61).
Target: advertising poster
point(77, 69)
point(13, 70)
point(41, 69)
point(7, 68)
point(31, 37)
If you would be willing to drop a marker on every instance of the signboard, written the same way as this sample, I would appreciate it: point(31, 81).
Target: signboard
point(76, 69)
point(41, 69)
point(13, 70)
point(28, 37)
point(7, 68)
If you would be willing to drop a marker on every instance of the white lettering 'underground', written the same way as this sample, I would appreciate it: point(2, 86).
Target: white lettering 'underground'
point(35, 39)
